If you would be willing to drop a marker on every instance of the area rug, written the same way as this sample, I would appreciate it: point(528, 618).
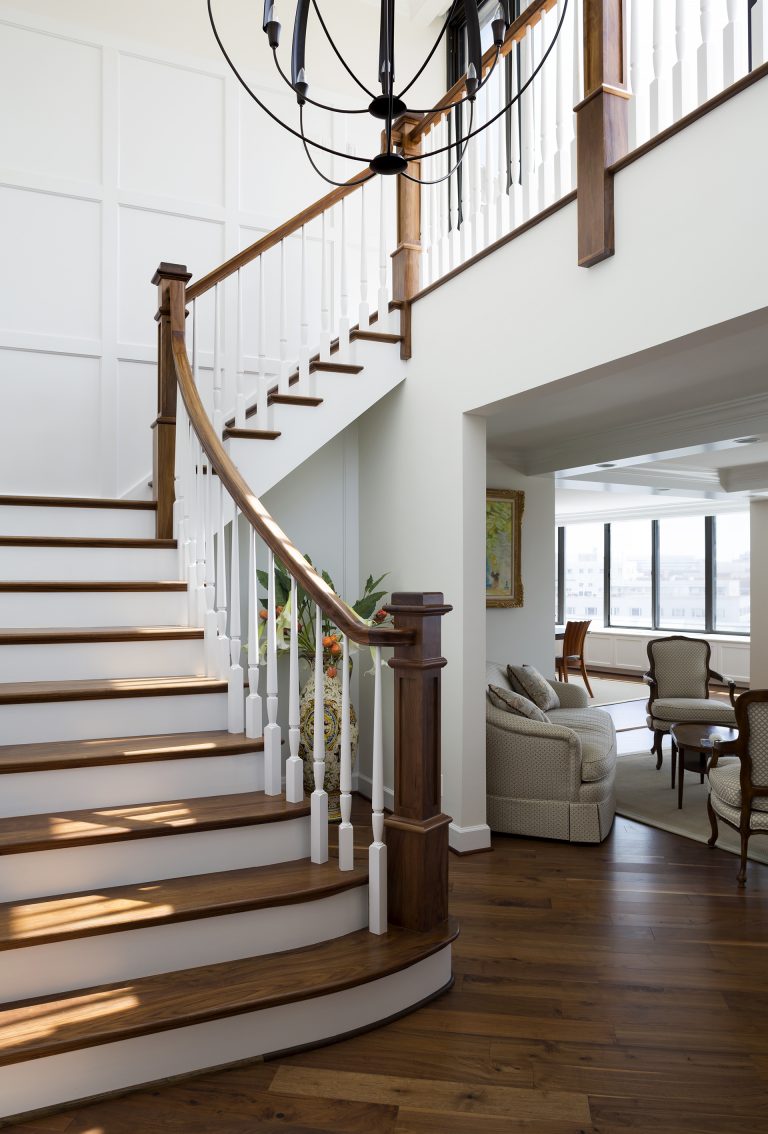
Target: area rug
point(644, 794)
point(608, 691)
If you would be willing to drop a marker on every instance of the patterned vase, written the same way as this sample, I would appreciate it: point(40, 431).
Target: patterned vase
point(332, 718)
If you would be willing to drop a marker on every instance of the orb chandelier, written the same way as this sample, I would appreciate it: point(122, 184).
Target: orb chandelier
point(390, 103)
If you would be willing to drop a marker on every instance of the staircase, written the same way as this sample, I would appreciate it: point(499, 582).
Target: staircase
point(148, 885)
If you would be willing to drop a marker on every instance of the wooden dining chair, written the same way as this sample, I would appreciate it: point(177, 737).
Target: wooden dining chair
point(573, 650)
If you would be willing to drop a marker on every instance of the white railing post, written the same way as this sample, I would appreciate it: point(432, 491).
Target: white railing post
point(235, 697)
point(546, 131)
point(319, 800)
point(661, 100)
point(218, 364)
point(346, 831)
point(202, 469)
point(294, 767)
point(240, 365)
point(304, 316)
point(263, 411)
point(364, 314)
point(344, 324)
point(272, 734)
point(382, 299)
point(325, 325)
point(475, 181)
point(465, 235)
point(282, 381)
point(735, 42)
point(563, 112)
point(377, 852)
point(709, 57)
point(684, 70)
point(221, 591)
point(210, 625)
point(528, 155)
point(254, 722)
point(427, 216)
point(578, 73)
point(488, 178)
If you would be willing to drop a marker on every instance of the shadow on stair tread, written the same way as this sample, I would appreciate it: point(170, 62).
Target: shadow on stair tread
point(98, 689)
point(59, 754)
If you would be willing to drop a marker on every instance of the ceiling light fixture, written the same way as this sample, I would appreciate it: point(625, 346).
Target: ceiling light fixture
point(389, 104)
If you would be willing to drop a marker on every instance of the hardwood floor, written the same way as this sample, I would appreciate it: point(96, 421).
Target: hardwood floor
point(599, 990)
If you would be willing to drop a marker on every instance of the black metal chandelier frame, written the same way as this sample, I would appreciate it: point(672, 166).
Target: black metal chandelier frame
point(388, 105)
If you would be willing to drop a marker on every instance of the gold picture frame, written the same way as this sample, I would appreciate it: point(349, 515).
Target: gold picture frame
point(504, 509)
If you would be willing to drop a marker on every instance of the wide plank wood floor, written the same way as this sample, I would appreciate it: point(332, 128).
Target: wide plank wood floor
point(599, 990)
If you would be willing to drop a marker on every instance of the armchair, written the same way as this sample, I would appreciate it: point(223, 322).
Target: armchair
point(679, 675)
point(738, 793)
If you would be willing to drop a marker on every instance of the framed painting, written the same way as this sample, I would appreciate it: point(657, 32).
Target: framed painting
point(503, 538)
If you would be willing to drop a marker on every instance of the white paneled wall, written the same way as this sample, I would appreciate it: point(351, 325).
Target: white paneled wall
point(113, 157)
point(628, 650)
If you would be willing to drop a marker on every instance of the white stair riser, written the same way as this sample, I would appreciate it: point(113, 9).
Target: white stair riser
point(75, 661)
point(120, 785)
point(44, 970)
point(104, 564)
point(89, 523)
point(118, 716)
point(37, 874)
point(93, 608)
point(80, 1074)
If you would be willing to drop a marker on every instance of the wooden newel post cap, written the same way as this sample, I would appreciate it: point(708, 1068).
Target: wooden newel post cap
point(171, 272)
point(418, 602)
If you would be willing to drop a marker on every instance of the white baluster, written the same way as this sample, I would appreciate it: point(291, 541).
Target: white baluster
point(319, 801)
point(221, 589)
point(465, 228)
point(490, 155)
point(192, 498)
point(346, 832)
point(684, 70)
point(254, 722)
point(475, 180)
point(263, 410)
point(325, 325)
point(294, 767)
point(240, 367)
point(528, 155)
point(210, 624)
point(563, 112)
point(304, 379)
point(179, 483)
point(735, 42)
point(452, 234)
point(377, 852)
point(364, 312)
point(272, 733)
point(760, 33)
point(344, 297)
point(199, 581)
point(709, 56)
point(546, 126)
point(578, 73)
point(661, 95)
point(427, 220)
point(441, 196)
point(282, 381)
point(382, 299)
point(235, 699)
point(218, 362)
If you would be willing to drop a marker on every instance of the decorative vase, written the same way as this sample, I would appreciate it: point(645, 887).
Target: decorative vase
point(332, 728)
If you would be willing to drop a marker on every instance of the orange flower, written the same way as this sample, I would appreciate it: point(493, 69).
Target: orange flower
point(327, 641)
point(380, 615)
point(331, 671)
point(335, 648)
point(263, 615)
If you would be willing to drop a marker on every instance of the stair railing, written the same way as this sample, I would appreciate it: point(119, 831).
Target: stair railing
point(201, 498)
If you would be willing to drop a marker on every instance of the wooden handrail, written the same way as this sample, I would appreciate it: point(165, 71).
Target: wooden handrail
point(295, 224)
point(515, 32)
point(305, 575)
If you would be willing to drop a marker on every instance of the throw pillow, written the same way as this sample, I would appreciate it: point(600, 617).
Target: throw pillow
point(515, 703)
point(527, 680)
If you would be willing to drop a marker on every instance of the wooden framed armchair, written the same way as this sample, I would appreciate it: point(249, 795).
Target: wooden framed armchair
point(738, 793)
point(679, 674)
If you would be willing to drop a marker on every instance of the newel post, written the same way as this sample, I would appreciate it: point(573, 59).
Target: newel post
point(406, 259)
point(602, 121)
point(171, 280)
point(417, 831)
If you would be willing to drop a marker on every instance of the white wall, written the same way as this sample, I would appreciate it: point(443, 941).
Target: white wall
point(523, 635)
point(758, 552)
point(528, 316)
point(125, 141)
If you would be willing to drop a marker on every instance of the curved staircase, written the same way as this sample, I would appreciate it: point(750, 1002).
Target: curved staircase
point(159, 913)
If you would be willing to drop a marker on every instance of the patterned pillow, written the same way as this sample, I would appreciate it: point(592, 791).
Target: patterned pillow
point(515, 703)
point(527, 680)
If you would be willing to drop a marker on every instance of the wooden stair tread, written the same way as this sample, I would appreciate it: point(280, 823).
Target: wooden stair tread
point(107, 1013)
point(76, 502)
point(30, 692)
point(252, 434)
point(374, 337)
point(49, 756)
point(293, 400)
point(69, 634)
point(22, 833)
point(82, 541)
point(22, 585)
point(335, 367)
point(142, 904)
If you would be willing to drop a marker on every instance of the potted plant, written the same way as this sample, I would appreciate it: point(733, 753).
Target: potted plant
point(368, 608)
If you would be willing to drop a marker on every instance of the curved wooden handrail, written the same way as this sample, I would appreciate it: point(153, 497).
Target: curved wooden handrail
point(229, 267)
point(515, 32)
point(305, 575)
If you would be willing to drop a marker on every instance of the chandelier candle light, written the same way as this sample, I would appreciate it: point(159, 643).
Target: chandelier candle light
point(389, 104)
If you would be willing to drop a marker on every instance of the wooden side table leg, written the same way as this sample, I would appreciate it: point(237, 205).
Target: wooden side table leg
point(673, 763)
point(680, 774)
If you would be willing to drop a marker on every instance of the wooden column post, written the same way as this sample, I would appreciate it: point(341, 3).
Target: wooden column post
point(171, 280)
point(417, 831)
point(602, 120)
point(406, 259)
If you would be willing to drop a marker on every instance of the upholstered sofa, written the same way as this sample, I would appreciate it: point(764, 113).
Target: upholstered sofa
point(553, 780)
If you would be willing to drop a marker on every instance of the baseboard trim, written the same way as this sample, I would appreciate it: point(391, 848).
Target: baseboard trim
point(469, 840)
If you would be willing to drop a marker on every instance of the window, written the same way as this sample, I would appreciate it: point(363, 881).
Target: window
point(631, 582)
point(732, 573)
point(682, 573)
point(584, 571)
